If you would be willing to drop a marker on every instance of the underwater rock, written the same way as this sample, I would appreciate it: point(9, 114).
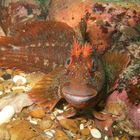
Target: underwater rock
point(17, 101)
point(68, 11)
point(12, 15)
point(134, 116)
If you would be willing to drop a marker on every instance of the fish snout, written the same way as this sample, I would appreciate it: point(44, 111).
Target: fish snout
point(78, 96)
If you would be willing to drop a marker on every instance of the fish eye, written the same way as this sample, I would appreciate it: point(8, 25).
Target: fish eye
point(68, 61)
point(94, 65)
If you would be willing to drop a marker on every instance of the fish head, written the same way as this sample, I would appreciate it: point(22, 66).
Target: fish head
point(84, 78)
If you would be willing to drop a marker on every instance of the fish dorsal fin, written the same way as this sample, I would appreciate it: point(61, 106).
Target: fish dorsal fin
point(76, 50)
point(114, 63)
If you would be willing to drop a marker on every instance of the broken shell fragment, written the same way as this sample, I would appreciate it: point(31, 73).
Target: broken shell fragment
point(19, 80)
point(95, 133)
point(1, 92)
point(6, 114)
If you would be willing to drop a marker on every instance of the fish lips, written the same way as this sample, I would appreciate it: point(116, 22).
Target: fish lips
point(78, 97)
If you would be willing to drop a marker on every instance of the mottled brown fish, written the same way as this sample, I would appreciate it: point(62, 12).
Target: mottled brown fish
point(73, 72)
point(86, 80)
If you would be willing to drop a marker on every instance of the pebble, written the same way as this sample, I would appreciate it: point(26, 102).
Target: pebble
point(1, 92)
point(106, 128)
point(45, 124)
point(81, 126)
point(49, 133)
point(6, 76)
point(1, 79)
point(95, 133)
point(37, 113)
point(6, 114)
point(69, 124)
point(7, 91)
point(18, 89)
point(85, 132)
point(32, 120)
point(106, 138)
point(28, 88)
point(6, 85)
point(60, 135)
point(19, 80)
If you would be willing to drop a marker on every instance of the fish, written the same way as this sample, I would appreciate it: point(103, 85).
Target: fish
point(86, 80)
point(74, 72)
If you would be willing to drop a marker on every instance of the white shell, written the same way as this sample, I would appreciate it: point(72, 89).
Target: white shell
point(19, 80)
point(106, 138)
point(81, 126)
point(49, 133)
point(31, 120)
point(95, 133)
point(6, 114)
point(1, 92)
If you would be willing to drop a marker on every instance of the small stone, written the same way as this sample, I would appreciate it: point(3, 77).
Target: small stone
point(85, 132)
point(95, 133)
point(37, 113)
point(18, 89)
point(6, 76)
point(50, 133)
point(106, 138)
point(116, 138)
point(79, 137)
point(124, 137)
point(106, 128)
point(28, 88)
point(45, 124)
point(1, 79)
point(60, 135)
point(1, 92)
point(19, 80)
point(7, 91)
point(31, 120)
point(69, 124)
point(81, 126)
point(7, 85)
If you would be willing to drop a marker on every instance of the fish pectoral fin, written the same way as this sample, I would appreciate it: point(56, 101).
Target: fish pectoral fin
point(115, 62)
point(45, 92)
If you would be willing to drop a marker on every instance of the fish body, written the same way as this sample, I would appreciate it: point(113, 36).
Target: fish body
point(37, 46)
point(74, 72)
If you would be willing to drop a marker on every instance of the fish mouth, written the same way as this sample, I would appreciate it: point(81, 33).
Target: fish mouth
point(78, 97)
